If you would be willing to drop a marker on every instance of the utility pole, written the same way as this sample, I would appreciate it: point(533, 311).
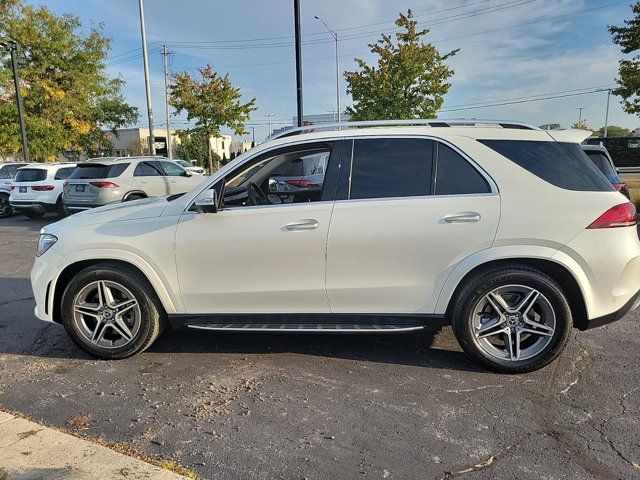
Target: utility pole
point(147, 84)
point(12, 46)
point(334, 34)
point(606, 117)
point(270, 115)
point(296, 14)
point(165, 55)
point(253, 141)
point(580, 114)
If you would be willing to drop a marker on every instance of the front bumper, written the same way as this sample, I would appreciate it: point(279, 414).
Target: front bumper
point(43, 279)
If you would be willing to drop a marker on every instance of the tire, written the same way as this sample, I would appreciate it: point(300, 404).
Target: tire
point(33, 214)
point(144, 322)
point(481, 330)
point(61, 210)
point(134, 196)
point(5, 207)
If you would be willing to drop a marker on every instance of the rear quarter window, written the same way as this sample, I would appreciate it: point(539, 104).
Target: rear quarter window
point(64, 173)
point(31, 175)
point(564, 165)
point(98, 171)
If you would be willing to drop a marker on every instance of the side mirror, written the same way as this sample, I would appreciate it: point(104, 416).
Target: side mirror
point(208, 202)
point(274, 186)
point(186, 173)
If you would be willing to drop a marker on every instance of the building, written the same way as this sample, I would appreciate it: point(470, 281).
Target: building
point(240, 146)
point(128, 142)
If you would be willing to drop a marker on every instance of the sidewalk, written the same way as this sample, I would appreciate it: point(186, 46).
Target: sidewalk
point(29, 451)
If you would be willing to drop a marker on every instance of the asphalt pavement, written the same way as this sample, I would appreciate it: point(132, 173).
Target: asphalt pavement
point(294, 406)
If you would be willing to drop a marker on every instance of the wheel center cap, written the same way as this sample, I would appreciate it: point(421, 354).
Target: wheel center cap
point(108, 313)
point(512, 320)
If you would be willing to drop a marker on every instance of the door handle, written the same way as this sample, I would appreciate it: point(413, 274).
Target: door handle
point(305, 224)
point(465, 217)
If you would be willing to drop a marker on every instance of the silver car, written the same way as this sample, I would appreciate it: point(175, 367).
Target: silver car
point(101, 181)
point(7, 174)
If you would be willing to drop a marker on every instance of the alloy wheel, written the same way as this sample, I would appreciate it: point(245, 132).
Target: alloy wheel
point(513, 322)
point(107, 314)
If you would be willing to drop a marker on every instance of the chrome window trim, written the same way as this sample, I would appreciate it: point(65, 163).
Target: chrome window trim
point(492, 184)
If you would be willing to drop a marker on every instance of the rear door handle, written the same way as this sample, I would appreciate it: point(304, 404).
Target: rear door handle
point(464, 217)
point(304, 224)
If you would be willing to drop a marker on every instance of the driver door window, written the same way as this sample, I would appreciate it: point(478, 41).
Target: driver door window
point(286, 177)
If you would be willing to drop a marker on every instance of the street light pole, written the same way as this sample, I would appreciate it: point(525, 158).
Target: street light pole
point(334, 34)
point(580, 109)
point(296, 15)
point(12, 45)
point(165, 55)
point(147, 84)
point(270, 116)
point(606, 117)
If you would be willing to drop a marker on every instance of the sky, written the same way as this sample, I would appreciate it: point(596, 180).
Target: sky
point(510, 51)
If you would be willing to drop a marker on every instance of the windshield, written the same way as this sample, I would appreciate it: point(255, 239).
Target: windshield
point(31, 175)
point(602, 162)
point(183, 163)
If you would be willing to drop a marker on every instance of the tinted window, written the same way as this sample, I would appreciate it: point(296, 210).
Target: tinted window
point(11, 170)
point(391, 167)
point(148, 169)
point(4, 173)
point(31, 175)
point(64, 173)
point(456, 176)
point(602, 162)
point(564, 165)
point(95, 170)
point(171, 169)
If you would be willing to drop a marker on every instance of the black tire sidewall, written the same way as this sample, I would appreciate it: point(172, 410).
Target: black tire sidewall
point(476, 289)
point(5, 198)
point(33, 214)
point(149, 314)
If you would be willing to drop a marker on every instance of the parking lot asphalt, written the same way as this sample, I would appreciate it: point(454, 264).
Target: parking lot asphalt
point(257, 406)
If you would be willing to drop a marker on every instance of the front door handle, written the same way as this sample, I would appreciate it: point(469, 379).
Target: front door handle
point(464, 217)
point(304, 224)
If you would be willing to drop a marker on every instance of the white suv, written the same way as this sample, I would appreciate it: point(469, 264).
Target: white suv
point(37, 189)
point(509, 233)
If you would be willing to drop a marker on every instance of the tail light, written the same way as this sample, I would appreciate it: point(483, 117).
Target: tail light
point(302, 183)
point(64, 185)
point(12, 187)
point(623, 215)
point(43, 188)
point(622, 188)
point(104, 184)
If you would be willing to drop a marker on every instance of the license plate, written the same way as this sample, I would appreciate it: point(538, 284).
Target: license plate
point(79, 188)
point(22, 189)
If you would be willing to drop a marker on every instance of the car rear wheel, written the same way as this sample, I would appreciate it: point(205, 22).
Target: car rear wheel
point(111, 311)
point(5, 206)
point(134, 196)
point(512, 319)
point(61, 210)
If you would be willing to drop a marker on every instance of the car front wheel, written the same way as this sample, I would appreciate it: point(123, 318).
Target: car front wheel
point(111, 311)
point(5, 206)
point(512, 319)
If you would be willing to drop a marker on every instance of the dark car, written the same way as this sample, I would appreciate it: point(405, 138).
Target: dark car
point(599, 155)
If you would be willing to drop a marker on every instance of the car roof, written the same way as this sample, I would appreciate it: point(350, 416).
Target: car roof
point(594, 148)
point(47, 166)
point(114, 160)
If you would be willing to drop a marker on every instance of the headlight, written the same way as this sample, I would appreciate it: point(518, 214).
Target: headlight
point(45, 242)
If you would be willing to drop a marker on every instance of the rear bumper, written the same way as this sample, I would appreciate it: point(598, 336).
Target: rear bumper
point(22, 206)
point(79, 207)
point(632, 304)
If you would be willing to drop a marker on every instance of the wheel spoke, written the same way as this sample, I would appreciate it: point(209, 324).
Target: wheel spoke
point(527, 302)
point(108, 294)
point(508, 341)
point(98, 332)
point(497, 303)
point(485, 329)
point(535, 324)
point(125, 306)
point(121, 328)
point(517, 352)
point(537, 332)
point(492, 332)
point(89, 309)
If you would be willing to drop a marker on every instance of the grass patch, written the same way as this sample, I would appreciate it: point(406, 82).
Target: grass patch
point(633, 184)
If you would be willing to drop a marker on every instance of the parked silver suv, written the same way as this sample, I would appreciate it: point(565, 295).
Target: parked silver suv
point(8, 172)
point(100, 181)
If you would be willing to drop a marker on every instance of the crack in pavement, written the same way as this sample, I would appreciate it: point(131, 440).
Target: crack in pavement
point(16, 300)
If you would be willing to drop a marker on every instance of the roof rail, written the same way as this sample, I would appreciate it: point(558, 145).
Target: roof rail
point(409, 122)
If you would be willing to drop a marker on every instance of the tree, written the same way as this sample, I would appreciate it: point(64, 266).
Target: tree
point(212, 102)
point(409, 80)
point(613, 131)
point(628, 37)
point(68, 98)
point(194, 147)
point(581, 125)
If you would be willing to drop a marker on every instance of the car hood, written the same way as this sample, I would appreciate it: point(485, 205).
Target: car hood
point(117, 212)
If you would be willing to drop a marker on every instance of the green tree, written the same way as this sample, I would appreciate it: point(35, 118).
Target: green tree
point(628, 38)
point(409, 80)
point(613, 131)
point(211, 102)
point(582, 125)
point(68, 98)
point(194, 147)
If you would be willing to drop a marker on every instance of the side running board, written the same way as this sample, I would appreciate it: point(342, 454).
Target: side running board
point(308, 327)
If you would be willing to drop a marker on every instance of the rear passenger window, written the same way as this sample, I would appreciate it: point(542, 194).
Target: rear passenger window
point(391, 167)
point(148, 169)
point(64, 173)
point(564, 165)
point(456, 176)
